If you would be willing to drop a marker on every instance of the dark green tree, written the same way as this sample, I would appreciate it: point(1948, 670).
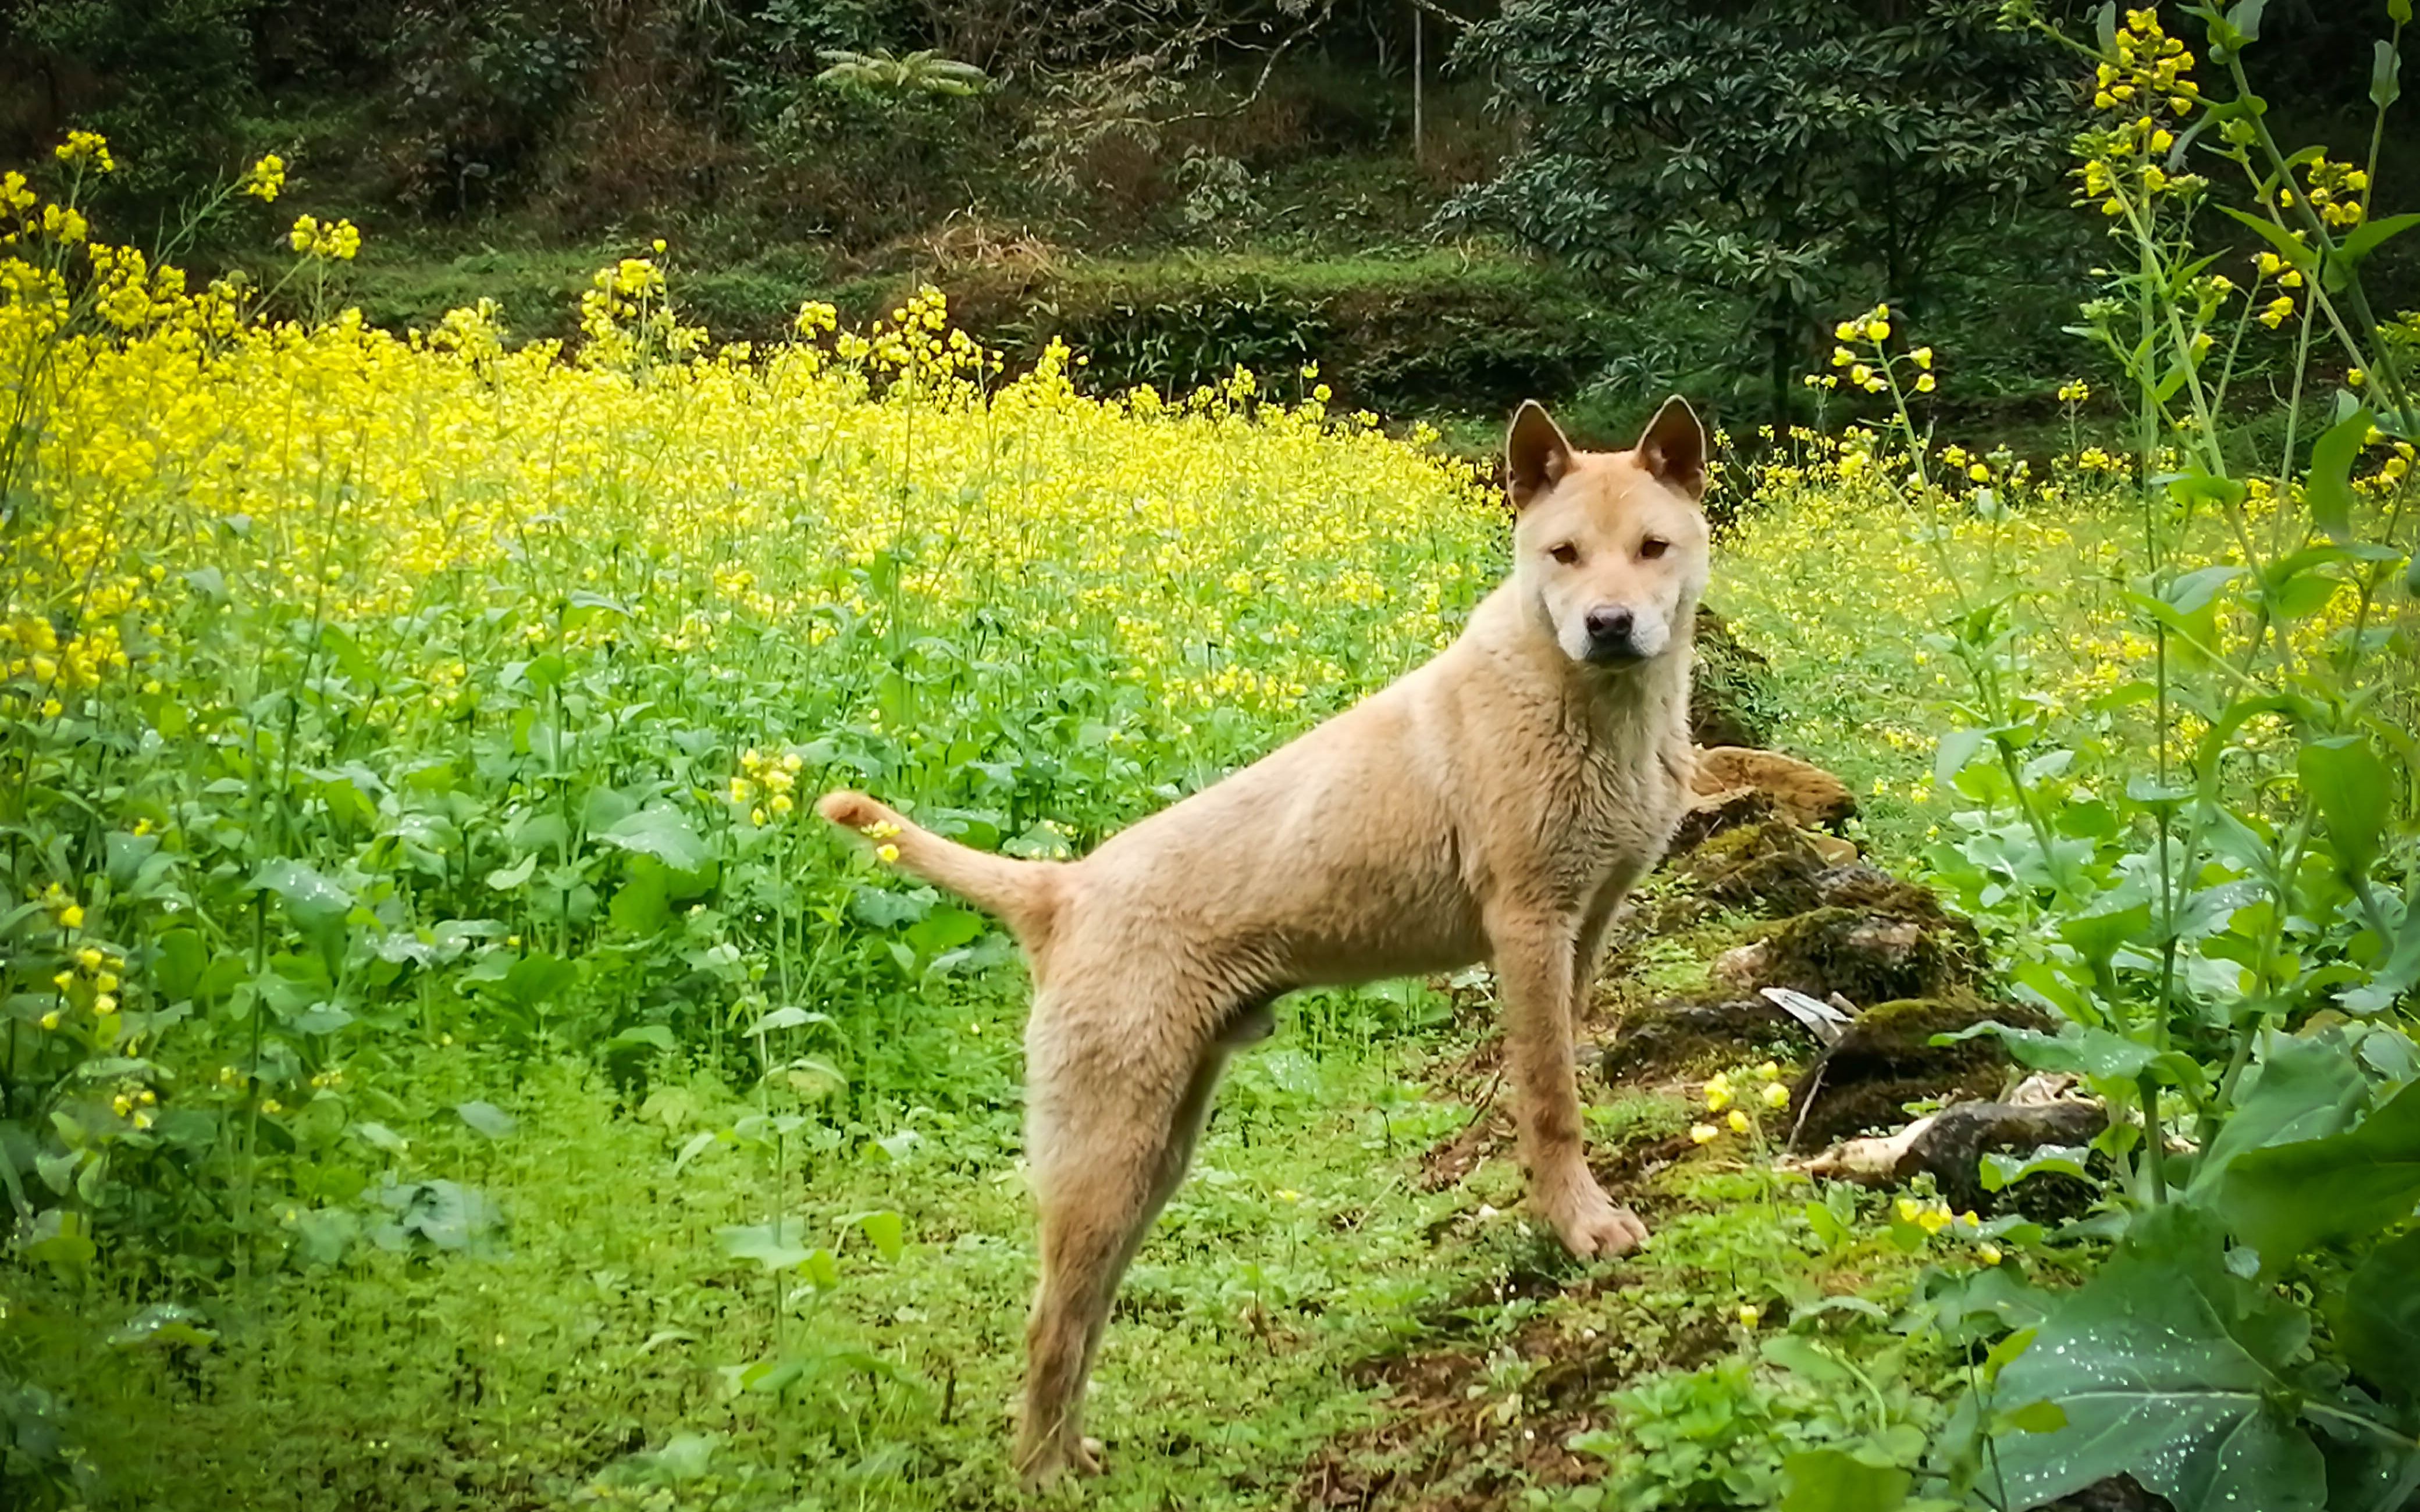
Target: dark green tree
point(1793, 156)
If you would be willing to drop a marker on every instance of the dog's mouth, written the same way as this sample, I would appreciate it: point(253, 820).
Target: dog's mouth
point(1626, 654)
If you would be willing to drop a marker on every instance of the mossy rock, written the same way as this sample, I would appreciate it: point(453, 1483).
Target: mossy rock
point(1733, 699)
point(1887, 1059)
point(1695, 1039)
point(1906, 947)
point(1770, 867)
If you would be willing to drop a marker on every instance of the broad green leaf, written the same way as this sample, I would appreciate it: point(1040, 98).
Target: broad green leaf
point(506, 878)
point(164, 1322)
point(379, 1136)
point(487, 1119)
point(2034, 1418)
point(2305, 1087)
point(2355, 795)
point(311, 899)
point(643, 1037)
point(2006, 1352)
point(822, 1269)
point(2168, 1368)
point(1958, 747)
point(787, 1017)
point(2385, 84)
point(884, 1229)
point(2365, 237)
point(698, 1145)
point(774, 1247)
point(640, 907)
point(2393, 973)
point(2329, 484)
point(1803, 1357)
point(1834, 1480)
point(2100, 935)
point(944, 929)
point(537, 978)
point(323, 1235)
point(2082, 1051)
point(2005, 1169)
point(2377, 1322)
point(2287, 245)
point(663, 832)
point(2285, 1198)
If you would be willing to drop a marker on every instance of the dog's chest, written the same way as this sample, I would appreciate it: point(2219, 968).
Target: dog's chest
point(1610, 807)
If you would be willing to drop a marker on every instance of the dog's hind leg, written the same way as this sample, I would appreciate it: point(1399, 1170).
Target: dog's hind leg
point(1537, 967)
point(1111, 1129)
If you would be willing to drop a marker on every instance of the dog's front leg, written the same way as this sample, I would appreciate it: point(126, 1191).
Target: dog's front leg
point(1534, 967)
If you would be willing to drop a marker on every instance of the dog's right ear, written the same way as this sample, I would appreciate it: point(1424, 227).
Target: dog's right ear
point(1536, 456)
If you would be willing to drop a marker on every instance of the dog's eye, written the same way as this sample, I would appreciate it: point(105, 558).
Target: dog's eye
point(1653, 546)
point(1566, 553)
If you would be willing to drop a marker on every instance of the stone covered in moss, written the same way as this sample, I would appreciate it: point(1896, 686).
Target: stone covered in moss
point(1887, 1059)
point(1733, 700)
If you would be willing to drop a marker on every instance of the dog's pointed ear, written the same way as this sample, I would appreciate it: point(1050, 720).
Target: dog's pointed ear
point(1536, 456)
point(1673, 448)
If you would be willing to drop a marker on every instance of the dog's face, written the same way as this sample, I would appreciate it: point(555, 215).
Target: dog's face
point(1609, 546)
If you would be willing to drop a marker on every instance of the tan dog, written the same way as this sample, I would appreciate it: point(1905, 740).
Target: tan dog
point(1494, 804)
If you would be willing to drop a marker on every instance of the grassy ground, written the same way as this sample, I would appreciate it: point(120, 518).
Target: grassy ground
point(1342, 1307)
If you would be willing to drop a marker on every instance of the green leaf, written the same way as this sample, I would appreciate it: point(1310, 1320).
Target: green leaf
point(312, 901)
point(1803, 1356)
point(2393, 973)
point(1834, 1480)
point(379, 1136)
point(2002, 1169)
point(663, 832)
point(2100, 935)
point(2355, 795)
point(2287, 246)
point(643, 1037)
point(323, 1234)
point(786, 1018)
point(884, 1229)
point(2035, 1417)
point(2365, 238)
point(506, 878)
point(164, 1322)
point(945, 928)
point(2327, 486)
point(1958, 747)
point(770, 1245)
point(698, 1145)
point(2168, 1367)
point(2006, 1352)
point(487, 1119)
point(2285, 1198)
point(2303, 1089)
point(2377, 1322)
point(2082, 1051)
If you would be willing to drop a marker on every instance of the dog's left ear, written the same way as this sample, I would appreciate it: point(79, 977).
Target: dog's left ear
point(1673, 448)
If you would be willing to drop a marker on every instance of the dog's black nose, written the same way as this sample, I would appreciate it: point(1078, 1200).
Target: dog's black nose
point(1609, 633)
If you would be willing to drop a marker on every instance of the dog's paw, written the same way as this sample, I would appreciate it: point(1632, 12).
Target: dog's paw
point(1593, 1225)
point(1051, 1464)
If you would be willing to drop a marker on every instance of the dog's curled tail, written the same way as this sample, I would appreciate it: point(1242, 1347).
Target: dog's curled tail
point(1023, 894)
